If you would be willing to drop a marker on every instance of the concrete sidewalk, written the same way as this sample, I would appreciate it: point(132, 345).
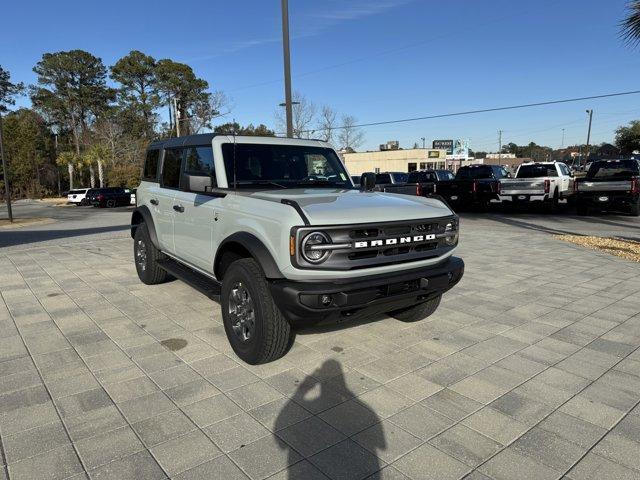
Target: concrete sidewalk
point(529, 369)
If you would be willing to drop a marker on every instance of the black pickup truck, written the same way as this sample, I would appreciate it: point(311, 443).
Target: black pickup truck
point(422, 183)
point(609, 185)
point(109, 197)
point(474, 186)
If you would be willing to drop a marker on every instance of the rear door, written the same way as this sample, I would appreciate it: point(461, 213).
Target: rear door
point(162, 198)
point(196, 207)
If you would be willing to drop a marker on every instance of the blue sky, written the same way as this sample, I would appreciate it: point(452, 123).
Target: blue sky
point(374, 59)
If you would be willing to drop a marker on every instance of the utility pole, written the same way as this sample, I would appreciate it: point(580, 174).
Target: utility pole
point(424, 145)
point(500, 147)
point(562, 144)
point(590, 112)
point(176, 116)
point(55, 154)
point(287, 68)
point(5, 172)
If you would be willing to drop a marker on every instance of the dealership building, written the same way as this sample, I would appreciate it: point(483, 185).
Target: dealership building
point(395, 160)
point(445, 154)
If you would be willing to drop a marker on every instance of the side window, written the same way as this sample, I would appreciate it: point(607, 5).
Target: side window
point(199, 161)
point(171, 168)
point(150, 170)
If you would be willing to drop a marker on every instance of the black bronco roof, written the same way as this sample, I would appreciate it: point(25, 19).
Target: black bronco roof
point(187, 141)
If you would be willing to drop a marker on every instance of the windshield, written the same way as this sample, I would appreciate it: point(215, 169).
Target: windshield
point(535, 171)
point(283, 166)
point(474, 173)
point(620, 170)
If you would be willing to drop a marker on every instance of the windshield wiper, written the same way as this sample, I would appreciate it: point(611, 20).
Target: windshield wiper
point(318, 183)
point(261, 182)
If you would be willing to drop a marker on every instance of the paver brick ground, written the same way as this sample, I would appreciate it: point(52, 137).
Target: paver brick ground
point(529, 369)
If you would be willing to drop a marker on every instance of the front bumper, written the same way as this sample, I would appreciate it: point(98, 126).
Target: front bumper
point(301, 302)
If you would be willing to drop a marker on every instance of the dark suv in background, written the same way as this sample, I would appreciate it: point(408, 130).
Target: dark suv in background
point(109, 197)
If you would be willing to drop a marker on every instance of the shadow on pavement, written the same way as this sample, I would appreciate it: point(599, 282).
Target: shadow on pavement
point(344, 459)
point(21, 237)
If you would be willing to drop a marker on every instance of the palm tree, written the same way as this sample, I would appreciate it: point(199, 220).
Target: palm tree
point(630, 26)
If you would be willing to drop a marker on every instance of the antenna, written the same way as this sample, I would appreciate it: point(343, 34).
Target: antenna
point(235, 181)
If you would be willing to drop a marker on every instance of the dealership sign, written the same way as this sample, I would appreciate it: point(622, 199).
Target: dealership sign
point(443, 145)
point(457, 149)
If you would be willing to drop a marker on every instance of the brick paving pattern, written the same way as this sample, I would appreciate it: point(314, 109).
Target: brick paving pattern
point(529, 369)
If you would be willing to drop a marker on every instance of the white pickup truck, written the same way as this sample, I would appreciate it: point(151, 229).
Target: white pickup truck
point(547, 182)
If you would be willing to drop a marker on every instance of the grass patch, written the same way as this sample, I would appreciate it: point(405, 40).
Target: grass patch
point(627, 249)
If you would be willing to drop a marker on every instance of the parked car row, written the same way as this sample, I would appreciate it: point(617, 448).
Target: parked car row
point(102, 197)
point(608, 185)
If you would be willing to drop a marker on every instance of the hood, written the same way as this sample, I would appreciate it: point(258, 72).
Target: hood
point(337, 207)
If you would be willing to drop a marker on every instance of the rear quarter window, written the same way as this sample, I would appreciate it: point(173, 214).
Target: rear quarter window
point(150, 169)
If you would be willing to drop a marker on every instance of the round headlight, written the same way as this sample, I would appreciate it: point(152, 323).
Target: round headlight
point(311, 254)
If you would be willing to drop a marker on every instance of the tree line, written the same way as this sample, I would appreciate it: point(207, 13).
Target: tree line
point(89, 123)
point(82, 131)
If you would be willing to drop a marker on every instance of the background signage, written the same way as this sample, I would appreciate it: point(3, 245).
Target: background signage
point(443, 145)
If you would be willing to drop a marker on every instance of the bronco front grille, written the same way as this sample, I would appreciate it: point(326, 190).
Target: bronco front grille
point(366, 246)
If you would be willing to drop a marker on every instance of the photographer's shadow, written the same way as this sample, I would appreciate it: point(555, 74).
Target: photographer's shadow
point(345, 459)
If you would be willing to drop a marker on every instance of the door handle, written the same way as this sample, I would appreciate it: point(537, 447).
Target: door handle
point(178, 208)
point(153, 201)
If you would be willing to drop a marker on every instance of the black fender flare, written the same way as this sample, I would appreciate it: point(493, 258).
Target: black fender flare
point(256, 249)
point(143, 215)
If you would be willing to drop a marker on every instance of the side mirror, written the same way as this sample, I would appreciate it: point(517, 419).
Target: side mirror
point(509, 175)
point(367, 181)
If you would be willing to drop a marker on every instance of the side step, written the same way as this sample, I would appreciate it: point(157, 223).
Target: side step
point(202, 283)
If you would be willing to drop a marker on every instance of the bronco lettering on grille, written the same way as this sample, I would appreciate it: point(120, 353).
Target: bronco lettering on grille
point(393, 241)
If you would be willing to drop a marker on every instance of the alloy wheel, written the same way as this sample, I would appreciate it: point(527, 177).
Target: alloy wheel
point(242, 312)
point(141, 255)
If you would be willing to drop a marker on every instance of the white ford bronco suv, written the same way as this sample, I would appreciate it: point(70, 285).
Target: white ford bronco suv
point(275, 230)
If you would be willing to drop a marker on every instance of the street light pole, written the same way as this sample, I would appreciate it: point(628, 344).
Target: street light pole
point(5, 172)
point(287, 67)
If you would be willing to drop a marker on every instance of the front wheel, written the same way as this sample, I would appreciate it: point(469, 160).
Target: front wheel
point(635, 209)
point(417, 312)
point(146, 256)
point(255, 327)
point(111, 203)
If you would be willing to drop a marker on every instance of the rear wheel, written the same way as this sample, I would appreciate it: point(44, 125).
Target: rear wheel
point(554, 203)
point(581, 208)
point(417, 312)
point(635, 209)
point(111, 203)
point(255, 327)
point(146, 256)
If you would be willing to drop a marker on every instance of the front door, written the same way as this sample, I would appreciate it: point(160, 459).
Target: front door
point(195, 208)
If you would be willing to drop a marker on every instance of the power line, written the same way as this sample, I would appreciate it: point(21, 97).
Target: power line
point(473, 112)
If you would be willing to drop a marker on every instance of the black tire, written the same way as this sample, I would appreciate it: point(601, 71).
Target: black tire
point(554, 203)
point(417, 312)
point(111, 203)
point(581, 208)
point(635, 209)
point(270, 335)
point(149, 272)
